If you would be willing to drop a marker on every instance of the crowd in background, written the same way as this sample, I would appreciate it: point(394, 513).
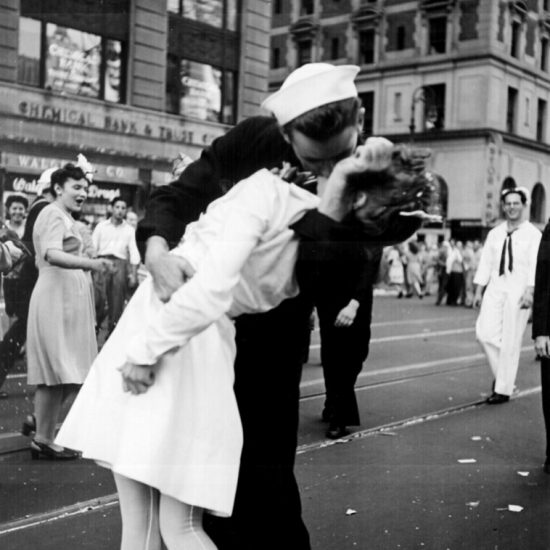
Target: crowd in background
point(445, 271)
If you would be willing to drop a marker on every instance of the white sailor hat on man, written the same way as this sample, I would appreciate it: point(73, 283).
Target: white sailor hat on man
point(311, 86)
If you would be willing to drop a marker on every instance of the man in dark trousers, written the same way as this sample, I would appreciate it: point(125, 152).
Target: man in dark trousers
point(344, 307)
point(317, 121)
point(541, 330)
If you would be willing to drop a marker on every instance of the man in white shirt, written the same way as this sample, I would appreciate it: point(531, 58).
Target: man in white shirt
point(507, 273)
point(115, 239)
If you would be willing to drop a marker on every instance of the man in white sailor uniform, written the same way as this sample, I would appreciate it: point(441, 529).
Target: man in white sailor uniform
point(505, 281)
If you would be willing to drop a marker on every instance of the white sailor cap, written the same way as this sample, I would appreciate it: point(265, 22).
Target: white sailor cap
point(46, 176)
point(309, 87)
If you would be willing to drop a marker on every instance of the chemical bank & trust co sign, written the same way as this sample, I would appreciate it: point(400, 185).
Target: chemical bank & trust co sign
point(56, 109)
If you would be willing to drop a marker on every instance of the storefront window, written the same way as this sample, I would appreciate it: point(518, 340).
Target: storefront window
point(75, 62)
point(28, 60)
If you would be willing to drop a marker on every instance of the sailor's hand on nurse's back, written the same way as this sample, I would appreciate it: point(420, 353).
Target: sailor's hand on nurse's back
point(169, 271)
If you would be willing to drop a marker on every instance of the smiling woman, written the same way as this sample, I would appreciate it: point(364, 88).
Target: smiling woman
point(61, 342)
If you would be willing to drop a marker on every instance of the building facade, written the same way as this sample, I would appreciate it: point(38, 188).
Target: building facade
point(128, 83)
point(467, 78)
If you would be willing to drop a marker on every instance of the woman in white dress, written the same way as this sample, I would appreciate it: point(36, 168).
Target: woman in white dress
point(169, 428)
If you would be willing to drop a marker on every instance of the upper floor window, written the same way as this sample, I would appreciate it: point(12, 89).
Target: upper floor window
point(275, 58)
point(400, 38)
point(304, 52)
point(397, 106)
point(70, 61)
point(367, 101)
point(544, 54)
point(541, 119)
point(515, 40)
point(437, 35)
point(335, 48)
point(201, 91)
point(366, 46)
point(277, 7)
point(306, 7)
point(434, 107)
point(217, 13)
point(511, 109)
point(537, 209)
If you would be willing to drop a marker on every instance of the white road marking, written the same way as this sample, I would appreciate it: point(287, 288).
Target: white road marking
point(415, 336)
point(413, 367)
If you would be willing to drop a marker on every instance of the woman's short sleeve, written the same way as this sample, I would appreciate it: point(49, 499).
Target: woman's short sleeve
point(49, 231)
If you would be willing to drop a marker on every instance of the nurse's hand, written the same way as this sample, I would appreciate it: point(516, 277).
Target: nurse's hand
point(169, 271)
point(137, 379)
point(542, 346)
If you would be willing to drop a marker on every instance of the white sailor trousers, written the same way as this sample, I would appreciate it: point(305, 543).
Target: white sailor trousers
point(499, 329)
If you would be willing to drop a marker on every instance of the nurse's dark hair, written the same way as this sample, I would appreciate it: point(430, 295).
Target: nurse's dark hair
point(60, 176)
point(326, 121)
point(403, 186)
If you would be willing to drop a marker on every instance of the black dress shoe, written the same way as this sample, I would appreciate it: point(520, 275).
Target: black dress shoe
point(546, 467)
point(43, 450)
point(497, 399)
point(29, 425)
point(336, 432)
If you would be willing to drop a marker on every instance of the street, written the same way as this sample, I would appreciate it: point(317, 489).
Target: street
point(431, 466)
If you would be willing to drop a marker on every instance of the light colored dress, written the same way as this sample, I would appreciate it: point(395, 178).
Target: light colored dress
point(61, 341)
point(183, 436)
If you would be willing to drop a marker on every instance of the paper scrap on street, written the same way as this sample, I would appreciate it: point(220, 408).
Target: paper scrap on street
point(511, 508)
point(476, 438)
point(523, 474)
point(514, 508)
point(467, 460)
point(473, 504)
point(350, 512)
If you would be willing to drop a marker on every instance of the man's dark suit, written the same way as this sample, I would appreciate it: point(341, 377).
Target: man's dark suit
point(541, 322)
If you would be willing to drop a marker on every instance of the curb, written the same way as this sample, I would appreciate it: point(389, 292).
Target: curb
point(12, 442)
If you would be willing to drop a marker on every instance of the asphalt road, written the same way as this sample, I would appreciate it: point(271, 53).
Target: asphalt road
point(431, 466)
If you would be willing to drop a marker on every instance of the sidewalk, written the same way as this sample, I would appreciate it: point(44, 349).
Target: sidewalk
point(400, 489)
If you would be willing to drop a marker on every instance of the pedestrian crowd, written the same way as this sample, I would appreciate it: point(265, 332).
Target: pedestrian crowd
point(239, 250)
point(445, 270)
